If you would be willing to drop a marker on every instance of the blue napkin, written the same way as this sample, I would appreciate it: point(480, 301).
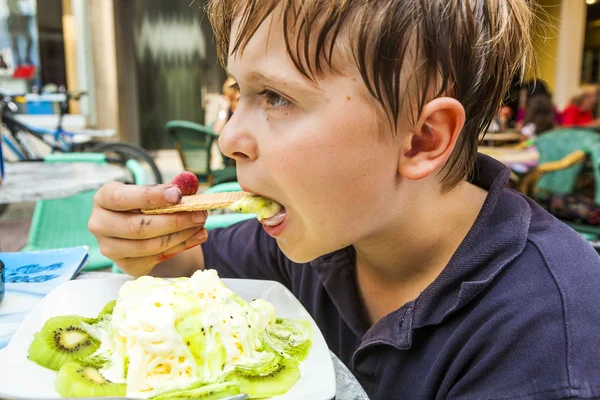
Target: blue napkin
point(29, 277)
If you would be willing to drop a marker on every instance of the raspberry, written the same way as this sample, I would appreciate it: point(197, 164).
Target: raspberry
point(187, 182)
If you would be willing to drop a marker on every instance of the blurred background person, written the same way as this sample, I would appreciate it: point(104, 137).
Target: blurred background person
point(529, 90)
point(579, 112)
point(540, 116)
point(20, 22)
point(227, 104)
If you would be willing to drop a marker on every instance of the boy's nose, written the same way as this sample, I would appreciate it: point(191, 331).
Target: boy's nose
point(236, 141)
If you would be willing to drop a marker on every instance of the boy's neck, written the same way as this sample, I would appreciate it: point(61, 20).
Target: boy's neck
point(395, 266)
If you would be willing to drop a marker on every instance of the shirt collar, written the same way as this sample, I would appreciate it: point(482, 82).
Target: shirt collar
point(497, 237)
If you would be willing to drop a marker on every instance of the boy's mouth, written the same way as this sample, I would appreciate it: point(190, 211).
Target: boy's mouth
point(271, 214)
point(274, 225)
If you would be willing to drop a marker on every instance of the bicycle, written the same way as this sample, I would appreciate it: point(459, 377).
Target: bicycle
point(60, 140)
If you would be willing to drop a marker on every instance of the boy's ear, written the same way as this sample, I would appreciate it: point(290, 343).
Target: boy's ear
point(431, 142)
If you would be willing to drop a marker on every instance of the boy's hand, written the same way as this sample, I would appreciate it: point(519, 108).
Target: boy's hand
point(138, 242)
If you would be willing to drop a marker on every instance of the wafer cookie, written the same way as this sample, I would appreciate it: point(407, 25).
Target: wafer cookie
point(199, 202)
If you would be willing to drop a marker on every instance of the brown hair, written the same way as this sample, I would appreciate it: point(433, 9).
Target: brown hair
point(407, 51)
point(540, 112)
point(584, 92)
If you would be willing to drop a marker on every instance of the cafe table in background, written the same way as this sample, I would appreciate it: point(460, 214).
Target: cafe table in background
point(33, 181)
point(501, 138)
point(520, 160)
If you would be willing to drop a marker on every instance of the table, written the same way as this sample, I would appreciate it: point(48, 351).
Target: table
point(519, 160)
point(504, 137)
point(501, 136)
point(347, 386)
point(33, 181)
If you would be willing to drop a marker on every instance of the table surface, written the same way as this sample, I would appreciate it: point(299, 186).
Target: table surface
point(501, 137)
point(347, 387)
point(512, 156)
point(33, 181)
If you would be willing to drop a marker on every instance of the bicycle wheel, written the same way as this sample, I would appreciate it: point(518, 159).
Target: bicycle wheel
point(127, 151)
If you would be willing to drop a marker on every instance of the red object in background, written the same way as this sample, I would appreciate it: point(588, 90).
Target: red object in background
point(574, 116)
point(24, 72)
point(506, 112)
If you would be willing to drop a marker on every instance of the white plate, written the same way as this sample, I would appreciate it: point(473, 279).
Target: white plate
point(22, 377)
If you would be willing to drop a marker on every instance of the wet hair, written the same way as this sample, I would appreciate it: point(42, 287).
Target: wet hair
point(407, 51)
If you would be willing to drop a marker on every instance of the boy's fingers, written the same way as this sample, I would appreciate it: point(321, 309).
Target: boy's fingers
point(135, 225)
point(117, 196)
point(126, 248)
point(144, 265)
point(198, 238)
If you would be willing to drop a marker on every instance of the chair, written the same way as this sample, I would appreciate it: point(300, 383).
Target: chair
point(193, 143)
point(563, 157)
point(63, 222)
point(229, 162)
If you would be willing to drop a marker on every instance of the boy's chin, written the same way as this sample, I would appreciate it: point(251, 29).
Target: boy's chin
point(297, 255)
point(300, 254)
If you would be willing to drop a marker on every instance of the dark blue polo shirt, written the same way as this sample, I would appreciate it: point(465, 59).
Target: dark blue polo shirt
point(514, 315)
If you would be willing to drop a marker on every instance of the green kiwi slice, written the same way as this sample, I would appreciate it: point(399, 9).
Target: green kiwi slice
point(80, 380)
point(205, 392)
point(290, 337)
point(277, 382)
point(107, 310)
point(62, 339)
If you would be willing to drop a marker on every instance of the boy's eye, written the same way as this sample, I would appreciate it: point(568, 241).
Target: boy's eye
point(275, 100)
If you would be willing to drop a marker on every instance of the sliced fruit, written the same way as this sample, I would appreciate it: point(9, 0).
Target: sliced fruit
point(61, 340)
point(108, 309)
point(274, 384)
point(80, 380)
point(292, 338)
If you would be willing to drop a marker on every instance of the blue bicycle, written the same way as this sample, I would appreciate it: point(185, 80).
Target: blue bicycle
point(17, 138)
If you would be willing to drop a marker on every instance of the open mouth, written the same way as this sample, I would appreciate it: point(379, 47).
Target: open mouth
point(275, 224)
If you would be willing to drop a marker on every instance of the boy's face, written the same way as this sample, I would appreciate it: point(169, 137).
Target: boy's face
point(321, 150)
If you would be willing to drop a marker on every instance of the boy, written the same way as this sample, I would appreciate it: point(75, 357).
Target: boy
point(427, 277)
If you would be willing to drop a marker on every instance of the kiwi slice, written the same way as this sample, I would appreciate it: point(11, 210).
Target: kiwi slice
point(62, 339)
point(205, 392)
point(275, 383)
point(108, 309)
point(290, 337)
point(80, 380)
